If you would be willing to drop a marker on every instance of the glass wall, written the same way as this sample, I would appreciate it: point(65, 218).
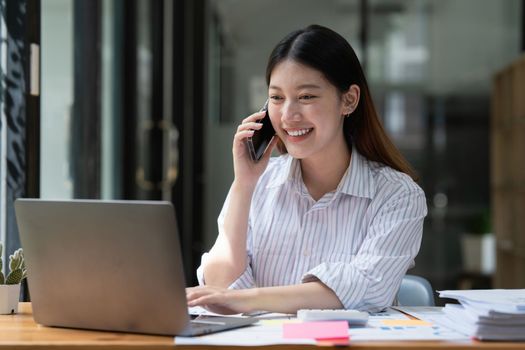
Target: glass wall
point(431, 68)
point(111, 99)
point(57, 87)
point(56, 98)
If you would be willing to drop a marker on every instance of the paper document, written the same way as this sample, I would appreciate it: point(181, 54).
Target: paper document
point(256, 335)
point(487, 314)
point(433, 315)
point(505, 300)
point(404, 328)
point(200, 311)
point(389, 313)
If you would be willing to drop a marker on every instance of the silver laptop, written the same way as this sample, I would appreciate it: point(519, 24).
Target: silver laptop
point(109, 265)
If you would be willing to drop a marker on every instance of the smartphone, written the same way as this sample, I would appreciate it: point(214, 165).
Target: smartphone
point(258, 143)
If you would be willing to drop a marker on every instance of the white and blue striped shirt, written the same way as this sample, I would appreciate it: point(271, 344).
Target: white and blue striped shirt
point(358, 240)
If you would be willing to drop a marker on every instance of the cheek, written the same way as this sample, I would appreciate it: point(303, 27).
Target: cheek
point(275, 117)
point(317, 112)
point(315, 109)
point(331, 111)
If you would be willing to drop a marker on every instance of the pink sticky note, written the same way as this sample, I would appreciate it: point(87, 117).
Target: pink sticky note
point(316, 330)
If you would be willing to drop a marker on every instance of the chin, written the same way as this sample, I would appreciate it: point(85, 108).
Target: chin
point(297, 154)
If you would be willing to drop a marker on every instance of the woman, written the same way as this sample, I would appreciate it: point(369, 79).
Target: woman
point(334, 222)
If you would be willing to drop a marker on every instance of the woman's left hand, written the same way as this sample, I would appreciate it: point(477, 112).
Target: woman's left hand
point(221, 300)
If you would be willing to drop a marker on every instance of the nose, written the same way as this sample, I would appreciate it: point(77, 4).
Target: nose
point(290, 112)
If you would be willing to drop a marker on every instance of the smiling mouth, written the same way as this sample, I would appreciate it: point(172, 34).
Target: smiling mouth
point(299, 132)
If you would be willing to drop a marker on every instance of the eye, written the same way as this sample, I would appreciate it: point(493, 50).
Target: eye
point(275, 98)
point(307, 97)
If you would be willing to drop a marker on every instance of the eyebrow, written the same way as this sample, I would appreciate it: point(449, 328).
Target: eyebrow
point(304, 86)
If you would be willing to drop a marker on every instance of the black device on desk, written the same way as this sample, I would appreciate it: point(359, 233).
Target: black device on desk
point(109, 265)
point(258, 143)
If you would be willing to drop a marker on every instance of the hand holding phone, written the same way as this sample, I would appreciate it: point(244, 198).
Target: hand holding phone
point(259, 142)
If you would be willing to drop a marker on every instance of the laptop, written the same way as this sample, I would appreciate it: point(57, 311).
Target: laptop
point(109, 265)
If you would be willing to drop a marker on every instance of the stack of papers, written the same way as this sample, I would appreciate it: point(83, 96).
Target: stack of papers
point(488, 314)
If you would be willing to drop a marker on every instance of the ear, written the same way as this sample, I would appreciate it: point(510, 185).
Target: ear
point(351, 99)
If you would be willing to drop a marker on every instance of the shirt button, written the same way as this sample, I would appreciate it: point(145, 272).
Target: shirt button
point(306, 252)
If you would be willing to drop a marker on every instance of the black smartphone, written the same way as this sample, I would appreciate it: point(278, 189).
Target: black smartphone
point(258, 143)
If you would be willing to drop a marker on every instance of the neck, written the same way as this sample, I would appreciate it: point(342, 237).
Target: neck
point(322, 175)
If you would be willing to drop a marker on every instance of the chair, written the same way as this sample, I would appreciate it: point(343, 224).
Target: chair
point(415, 291)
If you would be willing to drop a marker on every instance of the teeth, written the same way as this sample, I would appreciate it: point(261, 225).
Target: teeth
point(299, 132)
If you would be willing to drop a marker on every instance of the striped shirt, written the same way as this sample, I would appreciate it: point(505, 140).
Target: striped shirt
point(359, 240)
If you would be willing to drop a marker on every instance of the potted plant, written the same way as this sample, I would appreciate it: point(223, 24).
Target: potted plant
point(478, 245)
point(10, 285)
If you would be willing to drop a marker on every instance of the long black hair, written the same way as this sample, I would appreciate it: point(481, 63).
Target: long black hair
point(328, 52)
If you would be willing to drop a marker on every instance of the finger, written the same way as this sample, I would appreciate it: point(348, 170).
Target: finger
point(194, 289)
point(241, 135)
point(190, 295)
point(254, 117)
point(249, 126)
point(189, 292)
point(219, 309)
point(196, 292)
point(204, 300)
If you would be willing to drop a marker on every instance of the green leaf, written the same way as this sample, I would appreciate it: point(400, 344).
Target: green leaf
point(15, 277)
point(15, 260)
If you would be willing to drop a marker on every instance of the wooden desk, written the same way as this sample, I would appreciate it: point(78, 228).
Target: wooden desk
point(21, 332)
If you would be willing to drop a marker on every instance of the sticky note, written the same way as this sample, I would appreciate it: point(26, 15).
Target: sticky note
point(333, 342)
point(405, 323)
point(316, 330)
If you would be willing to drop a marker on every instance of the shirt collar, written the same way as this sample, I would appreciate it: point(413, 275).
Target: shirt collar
point(289, 171)
point(358, 179)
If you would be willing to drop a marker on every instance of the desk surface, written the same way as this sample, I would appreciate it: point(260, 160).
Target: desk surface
point(21, 331)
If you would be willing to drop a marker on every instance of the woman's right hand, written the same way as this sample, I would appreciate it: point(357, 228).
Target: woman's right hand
point(247, 172)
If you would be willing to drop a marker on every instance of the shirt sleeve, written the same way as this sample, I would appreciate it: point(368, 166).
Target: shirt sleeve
point(245, 280)
point(371, 280)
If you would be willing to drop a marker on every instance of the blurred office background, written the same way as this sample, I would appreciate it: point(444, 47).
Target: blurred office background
point(139, 99)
